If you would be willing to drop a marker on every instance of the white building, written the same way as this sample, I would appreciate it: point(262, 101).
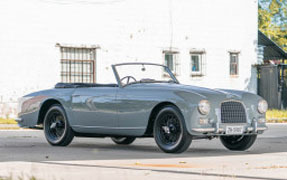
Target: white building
point(210, 43)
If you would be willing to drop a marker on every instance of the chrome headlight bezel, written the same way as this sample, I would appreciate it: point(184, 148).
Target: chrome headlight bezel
point(262, 106)
point(204, 107)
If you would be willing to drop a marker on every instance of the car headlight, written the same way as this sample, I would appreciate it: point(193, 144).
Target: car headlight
point(262, 106)
point(204, 107)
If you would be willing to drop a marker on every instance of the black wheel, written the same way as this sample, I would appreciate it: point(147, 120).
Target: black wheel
point(123, 140)
point(170, 132)
point(56, 127)
point(238, 142)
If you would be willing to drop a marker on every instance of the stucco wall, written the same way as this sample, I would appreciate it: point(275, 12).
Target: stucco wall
point(126, 30)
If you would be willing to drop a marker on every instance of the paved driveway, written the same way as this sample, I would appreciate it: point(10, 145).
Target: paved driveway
point(26, 153)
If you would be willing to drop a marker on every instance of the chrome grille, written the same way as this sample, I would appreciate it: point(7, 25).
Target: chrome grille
point(233, 112)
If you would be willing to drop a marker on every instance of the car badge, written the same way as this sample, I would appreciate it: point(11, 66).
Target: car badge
point(229, 96)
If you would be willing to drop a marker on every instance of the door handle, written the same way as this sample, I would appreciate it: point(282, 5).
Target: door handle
point(76, 95)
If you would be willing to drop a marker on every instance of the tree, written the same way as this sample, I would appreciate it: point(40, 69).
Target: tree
point(272, 20)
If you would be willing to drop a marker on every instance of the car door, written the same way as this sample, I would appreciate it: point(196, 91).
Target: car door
point(135, 105)
point(95, 108)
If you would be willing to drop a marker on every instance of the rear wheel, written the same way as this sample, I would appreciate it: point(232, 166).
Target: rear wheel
point(238, 143)
point(123, 140)
point(56, 127)
point(170, 132)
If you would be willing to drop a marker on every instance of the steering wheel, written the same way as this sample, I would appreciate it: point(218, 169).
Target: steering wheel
point(128, 79)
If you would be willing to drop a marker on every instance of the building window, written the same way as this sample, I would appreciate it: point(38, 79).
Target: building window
point(78, 64)
point(170, 60)
point(234, 62)
point(197, 62)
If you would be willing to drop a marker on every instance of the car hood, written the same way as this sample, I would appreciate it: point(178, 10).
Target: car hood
point(201, 91)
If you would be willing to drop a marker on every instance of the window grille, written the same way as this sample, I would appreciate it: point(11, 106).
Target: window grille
point(78, 64)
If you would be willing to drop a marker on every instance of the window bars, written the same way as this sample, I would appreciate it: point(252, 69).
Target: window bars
point(78, 64)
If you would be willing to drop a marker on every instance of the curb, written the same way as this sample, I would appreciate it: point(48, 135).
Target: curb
point(9, 126)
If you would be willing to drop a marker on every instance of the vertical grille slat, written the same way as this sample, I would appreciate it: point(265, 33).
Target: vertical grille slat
point(233, 112)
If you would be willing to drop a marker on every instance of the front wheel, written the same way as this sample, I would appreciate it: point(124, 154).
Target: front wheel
point(170, 132)
point(123, 140)
point(56, 127)
point(238, 142)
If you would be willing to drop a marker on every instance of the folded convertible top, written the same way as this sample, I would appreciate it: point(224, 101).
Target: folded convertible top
point(82, 85)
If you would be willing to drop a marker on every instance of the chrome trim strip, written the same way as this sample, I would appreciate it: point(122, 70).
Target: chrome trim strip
point(255, 126)
point(203, 129)
point(19, 119)
point(105, 127)
point(220, 130)
point(39, 126)
point(233, 124)
point(262, 128)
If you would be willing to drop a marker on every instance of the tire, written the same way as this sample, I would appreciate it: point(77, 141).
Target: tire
point(170, 132)
point(123, 140)
point(238, 143)
point(56, 127)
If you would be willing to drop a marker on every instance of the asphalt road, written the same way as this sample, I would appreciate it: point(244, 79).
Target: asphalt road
point(25, 153)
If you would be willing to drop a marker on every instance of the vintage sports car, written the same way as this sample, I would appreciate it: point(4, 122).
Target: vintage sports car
point(147, 101)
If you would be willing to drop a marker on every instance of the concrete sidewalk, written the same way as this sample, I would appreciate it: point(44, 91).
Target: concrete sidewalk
point(273, 166)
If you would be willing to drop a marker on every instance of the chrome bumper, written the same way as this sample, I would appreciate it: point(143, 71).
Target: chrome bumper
point(219, 130)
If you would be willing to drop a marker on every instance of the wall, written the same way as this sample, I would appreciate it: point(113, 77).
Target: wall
point(126, 30)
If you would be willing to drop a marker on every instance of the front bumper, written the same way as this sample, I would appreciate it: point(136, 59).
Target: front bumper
point(220, 129)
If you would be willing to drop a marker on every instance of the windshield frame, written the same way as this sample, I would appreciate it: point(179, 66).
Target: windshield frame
point(141, 63)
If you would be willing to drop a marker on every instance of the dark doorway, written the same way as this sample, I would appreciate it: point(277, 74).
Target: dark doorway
point(272, 82)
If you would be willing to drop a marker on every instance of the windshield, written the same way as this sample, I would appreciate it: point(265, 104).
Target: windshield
point(131, 73)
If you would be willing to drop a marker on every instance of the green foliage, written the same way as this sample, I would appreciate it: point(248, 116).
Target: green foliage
point(272, 20)
point(275, 115)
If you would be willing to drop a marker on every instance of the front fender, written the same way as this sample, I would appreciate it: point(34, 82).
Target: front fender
point(29, 107)
point(33, 110)
point(187, 103)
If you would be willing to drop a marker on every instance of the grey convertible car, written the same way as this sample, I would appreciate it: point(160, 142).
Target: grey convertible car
point(147, 101)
